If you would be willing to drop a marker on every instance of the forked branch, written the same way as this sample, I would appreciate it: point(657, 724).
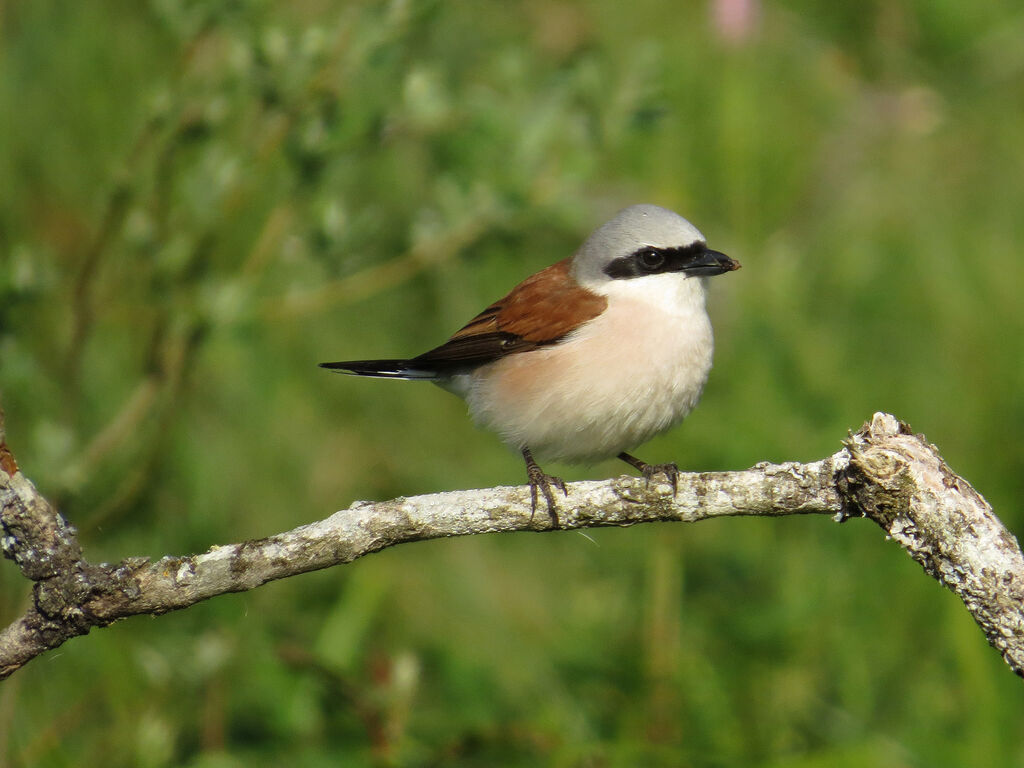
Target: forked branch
point(884, 473)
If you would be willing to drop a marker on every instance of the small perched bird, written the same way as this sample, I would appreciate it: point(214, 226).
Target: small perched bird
point(590, 357)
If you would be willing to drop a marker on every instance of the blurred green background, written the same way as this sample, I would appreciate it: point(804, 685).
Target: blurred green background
point(200, 201)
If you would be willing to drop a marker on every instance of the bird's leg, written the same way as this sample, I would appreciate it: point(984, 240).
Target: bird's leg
point(670, 470)
point(538, 479)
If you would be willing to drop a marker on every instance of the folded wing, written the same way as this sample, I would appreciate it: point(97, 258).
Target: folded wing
point(541, 310)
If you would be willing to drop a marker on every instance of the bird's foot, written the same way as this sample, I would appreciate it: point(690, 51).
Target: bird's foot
point(670, 470)
point(542, 481)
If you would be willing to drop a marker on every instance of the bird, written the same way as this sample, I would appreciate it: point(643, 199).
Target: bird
point(590, 357)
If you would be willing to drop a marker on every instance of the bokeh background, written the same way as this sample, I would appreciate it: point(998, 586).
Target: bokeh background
point(200, 201)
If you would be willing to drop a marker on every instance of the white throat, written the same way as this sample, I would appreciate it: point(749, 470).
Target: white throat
point(672, 293)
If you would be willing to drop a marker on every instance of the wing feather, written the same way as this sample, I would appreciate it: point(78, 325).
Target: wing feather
point(541, 310)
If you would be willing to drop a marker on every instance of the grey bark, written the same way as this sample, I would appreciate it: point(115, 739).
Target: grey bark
point(884, 473)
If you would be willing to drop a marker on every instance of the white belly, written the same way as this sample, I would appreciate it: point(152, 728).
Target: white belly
point(622, 378)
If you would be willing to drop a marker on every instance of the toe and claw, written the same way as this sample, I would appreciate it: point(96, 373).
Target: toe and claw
point(670, 470)
point(544, 482)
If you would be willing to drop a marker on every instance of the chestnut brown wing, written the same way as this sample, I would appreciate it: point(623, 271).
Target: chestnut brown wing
point(539, 311)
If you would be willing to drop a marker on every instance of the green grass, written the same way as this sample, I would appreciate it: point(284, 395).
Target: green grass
point(203, 200)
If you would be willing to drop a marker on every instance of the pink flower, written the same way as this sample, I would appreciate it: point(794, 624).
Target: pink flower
point(734, 20)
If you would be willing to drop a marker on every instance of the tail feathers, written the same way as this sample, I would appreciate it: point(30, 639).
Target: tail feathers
point(383, 369)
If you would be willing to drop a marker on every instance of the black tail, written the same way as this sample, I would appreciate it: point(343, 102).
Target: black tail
point(383, 369)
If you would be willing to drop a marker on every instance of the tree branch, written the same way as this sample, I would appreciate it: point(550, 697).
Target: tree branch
point(883, 472)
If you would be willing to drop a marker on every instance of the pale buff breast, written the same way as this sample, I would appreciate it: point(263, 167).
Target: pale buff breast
point(613, 384)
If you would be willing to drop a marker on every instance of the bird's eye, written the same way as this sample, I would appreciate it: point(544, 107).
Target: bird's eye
point(651, 258)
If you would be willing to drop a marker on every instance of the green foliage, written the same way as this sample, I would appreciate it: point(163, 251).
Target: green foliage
point(206, 199)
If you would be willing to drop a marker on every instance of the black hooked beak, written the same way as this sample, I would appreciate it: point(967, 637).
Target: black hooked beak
point(708, 263)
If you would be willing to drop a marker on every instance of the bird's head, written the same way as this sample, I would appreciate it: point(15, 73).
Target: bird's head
point(647, 249)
